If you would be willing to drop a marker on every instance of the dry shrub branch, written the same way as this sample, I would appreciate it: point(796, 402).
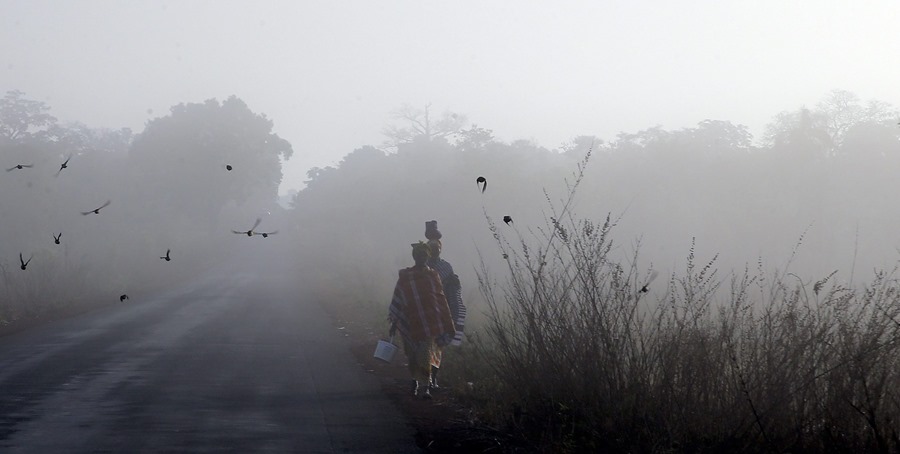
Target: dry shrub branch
point(576, 357)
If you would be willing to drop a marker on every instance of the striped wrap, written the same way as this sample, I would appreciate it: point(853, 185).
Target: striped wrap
point(419, 307)
point(453, 292)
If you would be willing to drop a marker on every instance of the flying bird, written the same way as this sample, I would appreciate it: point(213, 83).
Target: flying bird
point(23, 262)
point(123, 297)
point(265, 234)
point(97, 211)
point(482, 182)
point(64, 165)
point(167, 258)
point(249, 232)
point(507, 219)
point(57, 237)
point(646, 287)
point(20, 167)
point(228, 167)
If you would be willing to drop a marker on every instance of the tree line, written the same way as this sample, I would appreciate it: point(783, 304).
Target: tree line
point(168, 187)
point(817, 183)
point(819, 177)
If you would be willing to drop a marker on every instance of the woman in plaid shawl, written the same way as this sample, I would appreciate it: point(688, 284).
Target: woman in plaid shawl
point(419, 311)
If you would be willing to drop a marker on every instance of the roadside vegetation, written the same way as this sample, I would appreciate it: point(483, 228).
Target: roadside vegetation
point(773, 324)
point(575, 358)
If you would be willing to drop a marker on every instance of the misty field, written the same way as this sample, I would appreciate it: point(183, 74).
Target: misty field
point(573, 355)
point(773, 324)
point(573, 346)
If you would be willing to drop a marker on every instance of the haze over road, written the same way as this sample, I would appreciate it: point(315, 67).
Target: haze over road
point(230, 362)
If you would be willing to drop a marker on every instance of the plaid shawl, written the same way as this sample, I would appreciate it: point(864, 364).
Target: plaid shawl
point(419, 307)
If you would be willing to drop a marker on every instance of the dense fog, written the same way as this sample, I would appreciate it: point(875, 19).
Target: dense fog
point(100, 226)
point(809, 198)
point(673, 226)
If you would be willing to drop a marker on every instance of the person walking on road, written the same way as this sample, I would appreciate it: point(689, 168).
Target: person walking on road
point(452, 289)
point(419, 311)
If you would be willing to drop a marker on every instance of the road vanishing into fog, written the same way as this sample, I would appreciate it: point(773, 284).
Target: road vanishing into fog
point(231, 362)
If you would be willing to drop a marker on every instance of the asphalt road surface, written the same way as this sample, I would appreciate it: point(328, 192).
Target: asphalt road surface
point(230, 363)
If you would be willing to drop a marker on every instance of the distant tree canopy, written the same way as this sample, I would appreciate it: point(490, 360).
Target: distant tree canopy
point(175, 169)
point(79, 138)
point(709, 138)
point(821, 132)
point(802, 134)
point(180, 160)
point(870, 139)
point(474, 138)
point(581, 145)
point(21, 118)
point(419, 125)
point(167, 186)
point(710, 181)
point(30, 135)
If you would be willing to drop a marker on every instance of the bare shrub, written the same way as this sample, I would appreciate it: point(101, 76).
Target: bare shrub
point(572, 357)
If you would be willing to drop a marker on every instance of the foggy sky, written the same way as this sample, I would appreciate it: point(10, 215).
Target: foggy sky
point(330, 73)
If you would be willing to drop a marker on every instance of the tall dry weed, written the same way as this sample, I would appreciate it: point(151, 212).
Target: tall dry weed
point(573, 356)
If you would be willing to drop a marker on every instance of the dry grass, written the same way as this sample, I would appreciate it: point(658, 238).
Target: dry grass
point(59, 283)
point(573, 357)
point(50, 285)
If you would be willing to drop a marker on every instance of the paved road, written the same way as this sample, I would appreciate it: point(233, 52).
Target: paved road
point(230, 363)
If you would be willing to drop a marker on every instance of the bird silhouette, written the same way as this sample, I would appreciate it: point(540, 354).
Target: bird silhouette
point(23, 262)
point(64, 165)
point(482, 182)
point(57, 237)
point(228, 167)
point(265, 234)
point(97, 211)
point(249, 232)
point(167, 258)
point(646, 287)
point(507, 219)
point(20, 167)
point(123, 297)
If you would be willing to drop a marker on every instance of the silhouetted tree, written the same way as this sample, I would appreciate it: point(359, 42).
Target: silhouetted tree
point(717, 137)
point(871, 139)
point(20, 116)
point(179, 160)
point(418, 124)
point(710, 137)
point(474, 138)
point(842, 111)
point(644, 140)
point(821, 132)
point(580, 145)
point(362, 158)
point(803, 134)
point(77, 137)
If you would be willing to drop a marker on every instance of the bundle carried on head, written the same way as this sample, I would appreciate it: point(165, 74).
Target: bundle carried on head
point(421, 248)
point(431, 230)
